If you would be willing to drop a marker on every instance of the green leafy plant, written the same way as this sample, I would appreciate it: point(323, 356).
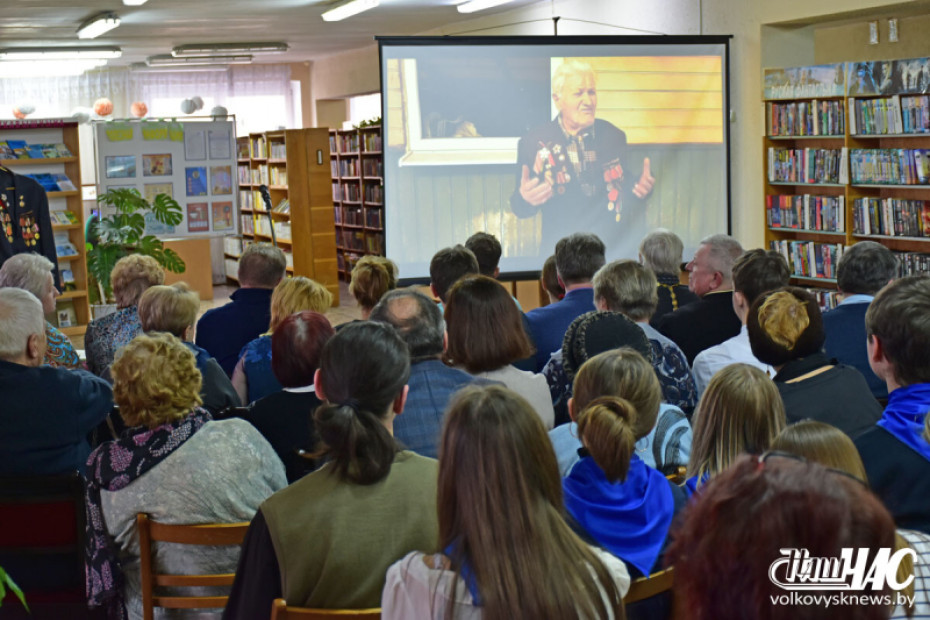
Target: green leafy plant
point(112, 237)
point(7, 584)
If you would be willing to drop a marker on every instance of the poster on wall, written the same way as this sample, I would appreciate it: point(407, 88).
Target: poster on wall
point(196, 163)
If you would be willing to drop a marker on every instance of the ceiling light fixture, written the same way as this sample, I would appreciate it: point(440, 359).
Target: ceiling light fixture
point(213, 49)
point(348, 9)
point(60, 53)
point(47, 68)
point(97, 25)
point(479, 5)
point(134, 2)
point(141, 67)
point(167, 60)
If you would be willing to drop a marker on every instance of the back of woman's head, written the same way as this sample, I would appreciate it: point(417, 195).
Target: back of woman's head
point(296, 345)
point(172, 309)
point(740, 411)
point(620, 373)
point(605, 427)
point(484, 326)
point(372, 277)
point(295, 294)
point(363, 371)
point(821, 443)
point(500, 506)
point(738, 526)
point(784, 325)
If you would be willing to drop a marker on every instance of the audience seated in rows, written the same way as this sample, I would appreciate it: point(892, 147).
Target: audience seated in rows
point(628, 287)
point(710, 320)
point(225, 330)
point(447, 267)
point(486, 336)
point(176, 464)
point(285, 418)
point(417, 320)
point(740, 412)
point(577, 258)
point(742, 520)
point(524, 562)
point(47, 412)
point(863, 270)
point(372, 277)
point(549, 280)
point(173, 309)
point(253, 377)
point(624, 373)
point(33, 273)
point(661, 252)
point(896, 452)
point(754, 272)
point(130, 277)
point(612, 498)
point(786, 332)
point(829, 446)
point(328, 539)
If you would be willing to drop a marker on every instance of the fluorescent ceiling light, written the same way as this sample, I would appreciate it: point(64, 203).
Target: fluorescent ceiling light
point(167, 60)
point(134, 2)
point(47, 68)
point(479, 5)
point(59, 53)
point(213, 49)
point(141, 67)
point(97, 25)
point(348, 9)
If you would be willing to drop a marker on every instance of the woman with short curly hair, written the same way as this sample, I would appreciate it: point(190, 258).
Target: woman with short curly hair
point(131, 276)
point(176, 463)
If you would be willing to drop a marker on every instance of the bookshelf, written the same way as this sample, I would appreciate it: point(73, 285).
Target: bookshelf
point(66, 206)
point(293, 164)
point(844, 164)
point(357, 167)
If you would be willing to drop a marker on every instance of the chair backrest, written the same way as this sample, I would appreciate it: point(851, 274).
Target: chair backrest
point(42, 538)
point(280, 611)
point(214, 534)
point(647, 587)
point(680, 475)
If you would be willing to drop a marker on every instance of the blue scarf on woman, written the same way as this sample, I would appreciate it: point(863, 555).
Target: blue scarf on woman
point(905, 414)
point(630, 519)
point(691, 485)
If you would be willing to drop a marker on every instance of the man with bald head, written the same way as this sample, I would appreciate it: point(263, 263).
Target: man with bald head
point(575, 170)
point(711, 319)
point(419, 322)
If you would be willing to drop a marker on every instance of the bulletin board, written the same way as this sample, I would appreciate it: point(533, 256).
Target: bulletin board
point(194, 162)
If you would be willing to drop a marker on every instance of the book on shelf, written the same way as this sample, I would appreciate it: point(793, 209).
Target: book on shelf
point(806, 212)
point(809, 259)
point(806, 118)
point(63, 182)
point(63, 218)
point(807, 166)
point(66, 314)
point(896, 114)
point(283, 207)
point(67, 279)
point(890, 166)
point(19, 149)
point(372, 141)
point(893, 217)
point(278, 150)
point(827, 300)
point(65, 248)
point(912, 263)
point(46, 180)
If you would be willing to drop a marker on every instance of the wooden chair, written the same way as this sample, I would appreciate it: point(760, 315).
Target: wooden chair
point(679, 477)
point(209, 535)
point(280, 611)
point(647, 587)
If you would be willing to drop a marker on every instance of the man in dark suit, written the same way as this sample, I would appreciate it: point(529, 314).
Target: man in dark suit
point(577, 259)
point(224, 331)
point(863, 270)
point(710, 320)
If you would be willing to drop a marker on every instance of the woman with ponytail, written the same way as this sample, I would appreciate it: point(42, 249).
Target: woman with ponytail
point(786, 331)
point(507, 552)
point(327, 540)
point(372, 277)
point(612, 497)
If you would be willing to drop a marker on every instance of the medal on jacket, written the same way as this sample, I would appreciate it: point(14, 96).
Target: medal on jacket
point(6, 221)
point(551, 164)
point(29, 229)
point(613, 176)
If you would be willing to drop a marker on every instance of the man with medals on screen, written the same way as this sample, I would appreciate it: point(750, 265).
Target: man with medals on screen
point(575, 172)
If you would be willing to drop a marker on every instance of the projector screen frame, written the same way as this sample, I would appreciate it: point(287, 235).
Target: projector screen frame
point(510, 40)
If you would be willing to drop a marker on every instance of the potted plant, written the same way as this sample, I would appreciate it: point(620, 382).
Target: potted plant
point(7, 584)
point(111, 237)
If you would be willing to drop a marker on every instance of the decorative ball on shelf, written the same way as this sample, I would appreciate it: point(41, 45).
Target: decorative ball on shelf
point(25, 108)
point(81, 115)
point(103, 107)
point(219, 113)
point(17, 113)
point(188, 107)
point(198, 102)
point(138, 109)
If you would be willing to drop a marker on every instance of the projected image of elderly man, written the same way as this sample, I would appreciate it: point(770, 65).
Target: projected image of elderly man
point(574, 169)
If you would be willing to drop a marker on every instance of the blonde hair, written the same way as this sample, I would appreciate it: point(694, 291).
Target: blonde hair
point(296, 294)
point(628, 287)
point(132, 275)
point(621, 373)
point(606, 428)
point(741, 411)
point(169, 309)
point(155, 380)
point(372, 277)
point(783, 317)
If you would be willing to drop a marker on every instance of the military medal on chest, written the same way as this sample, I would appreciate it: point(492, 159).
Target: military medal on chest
point(613, 177)
point(552, 164)
point(6, 220)
point(29, 229)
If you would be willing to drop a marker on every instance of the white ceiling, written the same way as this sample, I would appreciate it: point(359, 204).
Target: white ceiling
point(159, 25)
